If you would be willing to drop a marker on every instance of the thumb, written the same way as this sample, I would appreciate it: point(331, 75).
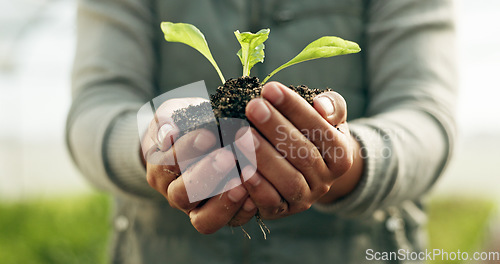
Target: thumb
point(332, 106)
point(163, 130)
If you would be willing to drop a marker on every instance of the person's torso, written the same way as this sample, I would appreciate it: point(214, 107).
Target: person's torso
point(157, 233)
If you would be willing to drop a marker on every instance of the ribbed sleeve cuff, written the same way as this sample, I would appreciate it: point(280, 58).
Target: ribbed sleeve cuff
point(122, 153)
point(359, 201)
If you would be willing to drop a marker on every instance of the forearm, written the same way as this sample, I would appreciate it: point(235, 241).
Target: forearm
point(101, 140)
point(408, 134)
point(108, 89)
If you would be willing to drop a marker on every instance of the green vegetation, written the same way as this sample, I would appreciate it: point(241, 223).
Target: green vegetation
point(252, 47)
point(191, 36)
point(323, 47)
point(68, 231)
point(458, 224)
point(76, 229)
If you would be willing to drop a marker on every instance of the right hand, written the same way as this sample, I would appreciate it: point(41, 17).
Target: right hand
point(171, 162)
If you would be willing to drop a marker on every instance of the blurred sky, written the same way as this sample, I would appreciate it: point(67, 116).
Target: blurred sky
point(36, 50)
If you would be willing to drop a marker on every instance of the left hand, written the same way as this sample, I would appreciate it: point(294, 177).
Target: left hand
point(190, 166)
point(301, 151)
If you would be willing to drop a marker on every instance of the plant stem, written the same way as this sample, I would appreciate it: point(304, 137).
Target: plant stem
point(220, 73)
point(273, 73)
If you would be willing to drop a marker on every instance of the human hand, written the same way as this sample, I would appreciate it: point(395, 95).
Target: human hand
point(301, 151)
point(174, 163)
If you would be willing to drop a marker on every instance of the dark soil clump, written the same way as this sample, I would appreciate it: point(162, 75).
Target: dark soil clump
point(229, 101)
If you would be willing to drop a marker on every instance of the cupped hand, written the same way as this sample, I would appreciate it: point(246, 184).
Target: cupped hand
point(173, 163)
point(302, 151)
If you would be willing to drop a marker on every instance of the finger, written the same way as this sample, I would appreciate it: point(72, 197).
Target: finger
point(289, 182)
point(282, 182)
point(219, 210)
point(162, 130)
point(188, 147)
point(163, 167)
point(202, 179)
point(166, 136)
point(296, 109)
point(288, 140)
point(245, 213)
point(327, 138)
point(270, 203)
point(267, 199)
point(159, 177)
point(332, 107)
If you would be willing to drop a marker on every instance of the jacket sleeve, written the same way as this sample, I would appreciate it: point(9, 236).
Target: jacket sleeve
point(113, 76)
point(408, 133)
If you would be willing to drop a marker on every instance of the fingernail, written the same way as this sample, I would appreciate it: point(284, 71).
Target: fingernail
point(248, 172)
point(163, 132)
point(224, 161)
point(249, 205)
point(273, 94)
point(204, 140)
point(248, 141)
point(260, 111)
point(327, 105)
point(236, 194)
point(254, 179)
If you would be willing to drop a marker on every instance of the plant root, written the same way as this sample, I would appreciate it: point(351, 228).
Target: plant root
point(246, 233)
point(262, 226)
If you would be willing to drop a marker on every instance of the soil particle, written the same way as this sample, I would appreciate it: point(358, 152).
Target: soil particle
point(229, 101)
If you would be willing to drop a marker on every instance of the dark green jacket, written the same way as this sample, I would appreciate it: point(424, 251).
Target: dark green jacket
point(400, 92)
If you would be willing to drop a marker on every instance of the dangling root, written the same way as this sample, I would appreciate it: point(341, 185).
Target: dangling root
point(262, 225)
point(265, 230)
point(246, 233)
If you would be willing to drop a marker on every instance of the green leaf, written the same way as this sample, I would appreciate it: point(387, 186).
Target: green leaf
point(323, 47)
point(192, 36)
point(252, 48)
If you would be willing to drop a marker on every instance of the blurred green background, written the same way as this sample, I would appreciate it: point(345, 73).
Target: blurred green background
point(50, 214)
point(62, 230)
point(71, 230)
